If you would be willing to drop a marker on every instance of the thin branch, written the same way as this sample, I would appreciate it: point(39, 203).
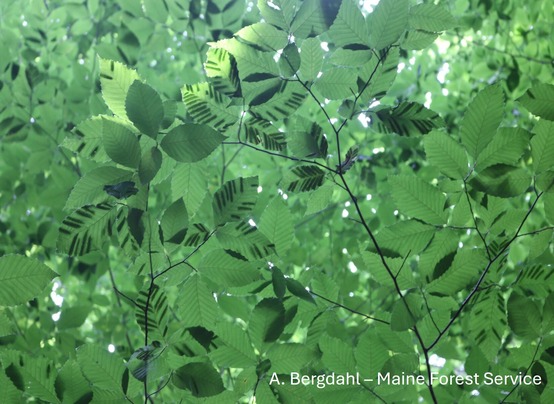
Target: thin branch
point(477, 285)
point(526, 371)
point(473, 216)
point(349, 309)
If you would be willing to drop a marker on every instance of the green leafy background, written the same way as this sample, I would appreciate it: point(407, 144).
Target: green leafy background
point(198, 196)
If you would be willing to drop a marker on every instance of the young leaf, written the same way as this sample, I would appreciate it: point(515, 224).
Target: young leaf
point(209, 106)
point(85, 229)
point(482, 119)
point(235, 199)
point(304, 178)
point(120, 143)
point(418, 199)
point(22, 279)
point(311, 59)
point(488, 322)
point(387, 22)
point(144, 108)
point(116, 79)
point(349, 26)
point(542, 146)
point(201, 379)
point(349, 160)
point(266, 322)
point(298, 290)
point(150, 164)
point(539, 100)
point(189, 143)
point(430, 17)
point(88, 190)
point(337, 83)
point(276, 225)
point(447, 154)
point(197, 306)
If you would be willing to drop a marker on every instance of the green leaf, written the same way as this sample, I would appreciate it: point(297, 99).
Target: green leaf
point(337, 354)
point(267, 322)
point(289, 61)
point(406, 312)
point(418, 199)
point(189, 143)
point(188, 182)
point(298, 290)
point(444, 243)
point(405, 237)
point(465, 267)
point(9, 394)
point(281, 15)
point(89, 189)
point(377, 75)
point(263, 35)
point(430, 17)
point(417, 40)
point(116, 79)
point(276, 225)
point(285, 100)
point(446, 154)
point(488, 322)
point(102, 369)
point(144, 108)
point(524, 317)
point(313, 18)
point(287, 358)
point(539, 100)
point(542, 146)
point(387, 22)
point(237, 351)
point(228, 271)
point(175, 221)
point(38, 373)
point(201, 379)
point(311, 59)
point(151, 312)
point(22, 279)
point(120, 143)
point(502, 180)
point(246, 240)
point(85, 229)
point(349, 26)
point(197, 306)
point(278, 282)
point(304, 178)
point(147, 362)
point(481, 120)
point(261, 131)
point(235, 199)
point(209, 106)
point(87, 140)
point(221, 70)
point(506, 147)
point(319, 199)
point(534, 278)
point(406, 119)
point(150, 164)
point(72, 383)
point(337, 83)
point(73, 316)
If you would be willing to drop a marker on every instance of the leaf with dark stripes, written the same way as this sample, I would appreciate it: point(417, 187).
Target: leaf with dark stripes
point(152, 312)
point(235, 199)
point(304, 178)
point(246, 240)
point(406, 119)
point(488, 322)
point(86, 229)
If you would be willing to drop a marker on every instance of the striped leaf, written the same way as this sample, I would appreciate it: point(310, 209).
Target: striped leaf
point(152, 312)
point(377, 75)
point(406, 119)
point(87, 140)
point(488, 322)
point(304, 178)
point(86, 229)
point(282, 103)
point(235, 199)
point(208, 106)
point(116, 78)
point(221, 70)
point(260, 131)
point(246, 240)
point(196, 234)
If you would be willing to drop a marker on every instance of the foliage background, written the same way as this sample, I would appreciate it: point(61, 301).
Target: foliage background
point(460, 279)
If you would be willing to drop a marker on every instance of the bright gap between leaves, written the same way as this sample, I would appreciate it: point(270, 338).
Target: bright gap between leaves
point(111, 348)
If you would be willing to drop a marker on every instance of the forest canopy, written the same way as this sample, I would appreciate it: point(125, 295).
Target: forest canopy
point(284, 201)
